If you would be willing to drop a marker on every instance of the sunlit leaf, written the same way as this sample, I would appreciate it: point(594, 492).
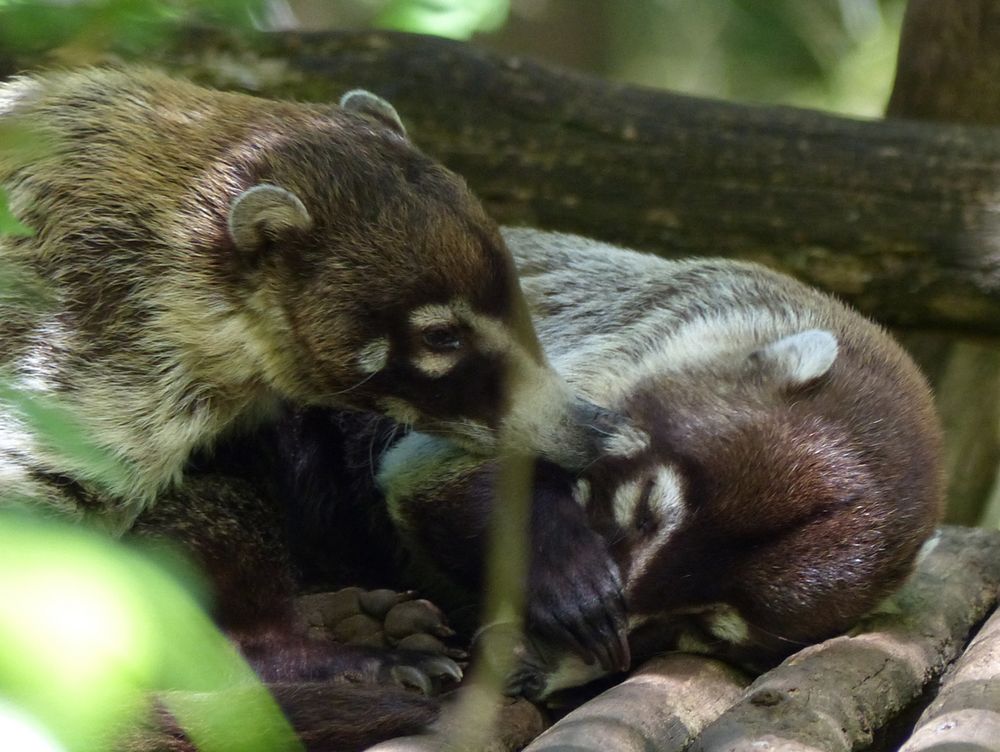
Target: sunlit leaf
point(457, 19)
point(91, 629)
point(9, 224)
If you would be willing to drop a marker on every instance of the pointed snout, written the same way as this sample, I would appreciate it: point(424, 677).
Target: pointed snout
point(603, 432)
point(570, 431)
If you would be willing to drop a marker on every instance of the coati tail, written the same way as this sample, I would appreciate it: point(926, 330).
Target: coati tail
point(326, 717)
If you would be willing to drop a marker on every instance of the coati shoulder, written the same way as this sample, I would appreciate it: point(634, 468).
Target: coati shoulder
point(208, 254)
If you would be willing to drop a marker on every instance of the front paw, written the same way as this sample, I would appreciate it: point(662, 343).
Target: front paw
point(426, 673)
point(575, 600)
point(377, 618)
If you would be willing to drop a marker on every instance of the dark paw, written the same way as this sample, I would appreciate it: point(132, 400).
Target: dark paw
point(575, 596)
point(575, 600)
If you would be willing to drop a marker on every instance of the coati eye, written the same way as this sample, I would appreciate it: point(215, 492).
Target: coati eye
point(442, 338)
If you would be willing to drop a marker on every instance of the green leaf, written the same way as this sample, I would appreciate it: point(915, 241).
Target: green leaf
point(9, 224)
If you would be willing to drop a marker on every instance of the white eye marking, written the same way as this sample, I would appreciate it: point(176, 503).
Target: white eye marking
point(626, 500)
point(666, 498)
point(374, 356)
point(435, 364)
point(433, 314)
point(665, 507)
point(581, 492)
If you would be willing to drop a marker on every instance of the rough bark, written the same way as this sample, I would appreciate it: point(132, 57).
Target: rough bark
point(948, 66)
point(948, 70)
point(899, 218)
point(663, 706)
point(966, 711)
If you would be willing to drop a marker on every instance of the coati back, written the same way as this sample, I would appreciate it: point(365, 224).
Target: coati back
point(208, 254)
point(792, 473)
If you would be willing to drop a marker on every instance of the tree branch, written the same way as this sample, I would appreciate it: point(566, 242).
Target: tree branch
point(900, 218)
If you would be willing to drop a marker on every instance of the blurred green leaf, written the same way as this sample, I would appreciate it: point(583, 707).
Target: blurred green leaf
point(9, 224)
point(90, 628)
point(457, 19)
point(130, 25)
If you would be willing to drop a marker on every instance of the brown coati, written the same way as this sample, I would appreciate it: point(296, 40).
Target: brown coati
point(207, 254)
point(792, 474)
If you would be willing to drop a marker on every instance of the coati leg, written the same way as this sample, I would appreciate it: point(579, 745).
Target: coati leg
point(236, 535)
point(574, 598)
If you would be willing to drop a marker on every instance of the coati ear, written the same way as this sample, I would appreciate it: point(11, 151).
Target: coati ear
point(798, 359)
point(263, 213)
point(373, 107)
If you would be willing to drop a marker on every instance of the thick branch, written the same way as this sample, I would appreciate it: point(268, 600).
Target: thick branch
point(900, 218)
point(967, 709)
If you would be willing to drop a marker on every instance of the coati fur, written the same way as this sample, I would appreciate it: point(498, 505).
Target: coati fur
point(206, 255)
point(792, 474)
point(793, 470)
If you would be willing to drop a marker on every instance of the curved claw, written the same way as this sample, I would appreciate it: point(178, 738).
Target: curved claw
point(410, 677)
point(440, 667)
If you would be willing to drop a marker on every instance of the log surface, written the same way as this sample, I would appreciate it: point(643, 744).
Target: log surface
point(900, 218)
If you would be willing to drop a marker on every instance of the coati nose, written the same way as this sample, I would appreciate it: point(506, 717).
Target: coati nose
point(608, 432)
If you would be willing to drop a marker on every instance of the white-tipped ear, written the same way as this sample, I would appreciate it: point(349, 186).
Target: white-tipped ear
point(265, 212)
point(372, 106)
point(799, 358)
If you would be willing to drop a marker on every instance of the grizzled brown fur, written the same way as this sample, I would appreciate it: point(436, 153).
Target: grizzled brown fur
point(208, 254)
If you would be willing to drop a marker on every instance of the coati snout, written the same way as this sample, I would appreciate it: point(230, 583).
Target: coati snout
point(211, 254)
point(791, 474)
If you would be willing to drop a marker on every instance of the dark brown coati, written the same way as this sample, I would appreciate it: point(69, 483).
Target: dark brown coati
point(793, 470)
point(209, 254)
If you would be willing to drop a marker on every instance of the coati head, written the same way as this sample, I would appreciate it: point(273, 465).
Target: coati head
point(246, 249)
point(397, 292)
point(792, 470)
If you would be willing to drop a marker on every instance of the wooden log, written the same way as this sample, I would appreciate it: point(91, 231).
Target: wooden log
point(899, 218)
point(663, 706)
point(966, 712)
point(834, 696)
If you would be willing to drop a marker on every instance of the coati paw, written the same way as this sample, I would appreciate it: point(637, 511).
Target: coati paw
point(575, 600)
point(377, 618)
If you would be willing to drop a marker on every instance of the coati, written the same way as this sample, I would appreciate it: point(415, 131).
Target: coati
point(206, 255)
point(792, 474)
